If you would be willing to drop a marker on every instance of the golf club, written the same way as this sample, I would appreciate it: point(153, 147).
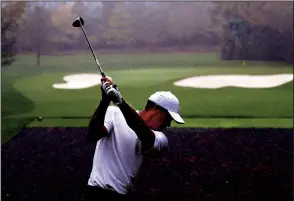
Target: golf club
point(79, 22)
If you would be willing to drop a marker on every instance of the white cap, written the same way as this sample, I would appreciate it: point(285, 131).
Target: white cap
point(169, 102)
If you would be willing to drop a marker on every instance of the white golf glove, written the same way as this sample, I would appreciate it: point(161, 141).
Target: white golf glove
point(112, 91)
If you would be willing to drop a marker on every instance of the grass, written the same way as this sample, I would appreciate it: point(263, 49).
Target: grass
point(10, 127)
point(13, 103)
point(137, 85)
point(190, 123)
point(27, 90)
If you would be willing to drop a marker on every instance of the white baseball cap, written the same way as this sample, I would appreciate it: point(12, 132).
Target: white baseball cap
point(168, 101)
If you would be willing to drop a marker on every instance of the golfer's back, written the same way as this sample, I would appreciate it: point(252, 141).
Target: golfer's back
point(117, 158)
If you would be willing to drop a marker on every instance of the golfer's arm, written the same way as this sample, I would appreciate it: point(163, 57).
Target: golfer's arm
point(137, 124)
point(96, 128)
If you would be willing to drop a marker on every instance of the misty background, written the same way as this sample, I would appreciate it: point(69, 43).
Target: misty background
point(45, 28)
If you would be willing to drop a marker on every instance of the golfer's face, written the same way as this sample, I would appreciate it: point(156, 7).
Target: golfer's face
point(161, 120)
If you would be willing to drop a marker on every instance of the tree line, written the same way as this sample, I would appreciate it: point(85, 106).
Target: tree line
point(45, 27)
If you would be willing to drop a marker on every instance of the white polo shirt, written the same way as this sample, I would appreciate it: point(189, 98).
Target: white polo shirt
point(118, 159)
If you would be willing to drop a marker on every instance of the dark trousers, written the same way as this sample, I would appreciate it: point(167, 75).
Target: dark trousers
point(95, 193)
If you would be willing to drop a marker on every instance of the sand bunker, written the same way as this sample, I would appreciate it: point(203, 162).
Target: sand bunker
point(79, 81)
point(244, 81)
point(83, 81)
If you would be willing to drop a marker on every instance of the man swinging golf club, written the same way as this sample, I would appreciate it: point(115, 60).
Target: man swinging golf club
point(125, 138)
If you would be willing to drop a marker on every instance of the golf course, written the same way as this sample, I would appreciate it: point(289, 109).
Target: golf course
point(218, 125)
point(236, 142)
point(28, 90)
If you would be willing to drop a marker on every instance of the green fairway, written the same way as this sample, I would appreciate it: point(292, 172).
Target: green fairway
point(137, 85)
point(190, 123)
point(27, 90)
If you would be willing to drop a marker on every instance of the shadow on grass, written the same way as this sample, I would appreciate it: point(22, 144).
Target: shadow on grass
point(202, 164)
point(11, 126)
point(13, 103)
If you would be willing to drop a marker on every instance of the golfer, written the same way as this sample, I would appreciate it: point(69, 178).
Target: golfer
point(124, 138)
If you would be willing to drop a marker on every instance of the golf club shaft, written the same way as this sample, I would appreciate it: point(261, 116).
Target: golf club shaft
point(97, 62)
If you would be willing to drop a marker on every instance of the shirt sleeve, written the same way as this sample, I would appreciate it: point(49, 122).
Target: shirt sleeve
point(108, 120)
point(160, 143)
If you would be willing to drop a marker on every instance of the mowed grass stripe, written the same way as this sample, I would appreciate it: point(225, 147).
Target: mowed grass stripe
point(190, 123)
point(25, 65)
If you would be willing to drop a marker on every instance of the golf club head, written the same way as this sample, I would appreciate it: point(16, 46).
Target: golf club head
point(78, 22)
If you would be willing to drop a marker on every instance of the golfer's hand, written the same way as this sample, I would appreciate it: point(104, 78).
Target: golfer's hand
point(105, 84)
point(105, 79)
point(114, 94)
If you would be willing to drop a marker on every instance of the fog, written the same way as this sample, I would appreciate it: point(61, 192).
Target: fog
point(45, 28)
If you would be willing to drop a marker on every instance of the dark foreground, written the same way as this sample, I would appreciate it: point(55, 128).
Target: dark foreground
point(43, 164)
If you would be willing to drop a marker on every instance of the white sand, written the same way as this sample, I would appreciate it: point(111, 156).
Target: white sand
point(79, 81)
point(83, 81)
point(244, 81)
